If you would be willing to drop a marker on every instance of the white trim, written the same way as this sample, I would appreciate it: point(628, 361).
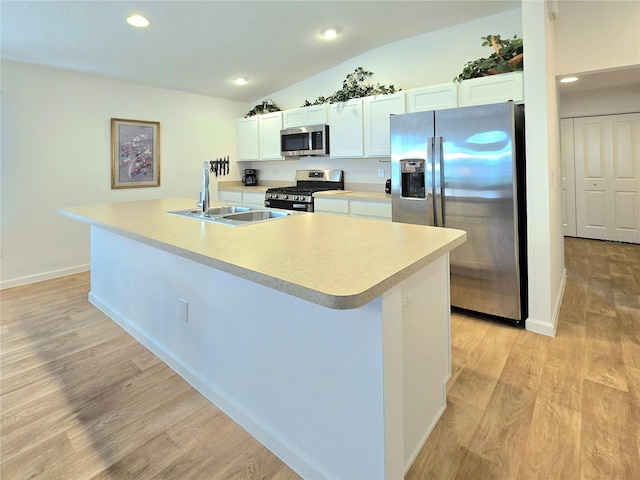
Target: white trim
point(40, 277)
point(549, 328)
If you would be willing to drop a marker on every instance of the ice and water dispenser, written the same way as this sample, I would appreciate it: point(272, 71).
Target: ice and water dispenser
point(412, 178)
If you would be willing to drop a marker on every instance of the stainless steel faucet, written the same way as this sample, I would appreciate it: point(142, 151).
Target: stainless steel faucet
point(205, 200)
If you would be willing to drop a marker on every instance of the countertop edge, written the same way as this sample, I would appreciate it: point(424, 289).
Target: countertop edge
point(333, 301)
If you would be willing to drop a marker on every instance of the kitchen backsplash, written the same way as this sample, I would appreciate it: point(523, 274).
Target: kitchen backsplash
point(356, 171)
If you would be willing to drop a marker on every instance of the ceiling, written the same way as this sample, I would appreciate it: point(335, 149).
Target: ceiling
point(603, 79)
point(200, 46)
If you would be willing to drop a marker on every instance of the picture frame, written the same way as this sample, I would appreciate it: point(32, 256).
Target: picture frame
point(135, 153)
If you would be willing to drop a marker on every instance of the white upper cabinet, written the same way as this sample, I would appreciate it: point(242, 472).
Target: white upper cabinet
point(436, 97)
point(269, 134)
point(301, 117)
point(345, 129)
point(491, 89)
point(377, 110)
point(258, 137)
point(247, 142)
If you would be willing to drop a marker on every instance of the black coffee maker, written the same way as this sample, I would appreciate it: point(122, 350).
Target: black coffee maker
point(250, 179)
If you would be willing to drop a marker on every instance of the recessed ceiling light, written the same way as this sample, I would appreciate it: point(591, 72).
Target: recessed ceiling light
point(568, 79)
point(330, 32)
point(138, 21)
point(240, 80)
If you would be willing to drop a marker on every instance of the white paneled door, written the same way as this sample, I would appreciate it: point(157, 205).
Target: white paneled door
point(568, 178)
point(607, 177)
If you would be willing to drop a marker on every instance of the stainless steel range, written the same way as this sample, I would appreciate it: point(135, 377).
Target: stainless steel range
point(300, 196)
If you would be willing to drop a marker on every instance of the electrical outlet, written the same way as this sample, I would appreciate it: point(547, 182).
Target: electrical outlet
point(381, 173)
point(184, 310)
point(407, 305)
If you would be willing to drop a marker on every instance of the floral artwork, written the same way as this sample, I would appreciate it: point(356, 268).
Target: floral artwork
point(135, 153)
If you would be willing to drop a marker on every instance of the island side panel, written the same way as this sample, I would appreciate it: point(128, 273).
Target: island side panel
point(426, 353)
point(305, 380)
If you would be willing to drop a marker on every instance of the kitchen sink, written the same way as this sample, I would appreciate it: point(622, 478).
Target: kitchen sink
point(234, 215)
point(257, 215)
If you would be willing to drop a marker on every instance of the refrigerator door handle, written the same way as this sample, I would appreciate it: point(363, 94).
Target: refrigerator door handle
point(439, 183)
point(430, 176)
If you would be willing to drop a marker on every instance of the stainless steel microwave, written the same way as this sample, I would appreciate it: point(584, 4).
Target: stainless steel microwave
point(305, 141)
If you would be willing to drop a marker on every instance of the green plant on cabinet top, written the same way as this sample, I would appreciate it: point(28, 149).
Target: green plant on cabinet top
point(353, 86)
point(507, 57)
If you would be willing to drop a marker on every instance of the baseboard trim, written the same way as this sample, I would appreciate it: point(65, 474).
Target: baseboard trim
point(549, 328)
point(40, 277)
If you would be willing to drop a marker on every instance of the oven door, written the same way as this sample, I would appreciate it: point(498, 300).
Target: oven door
point(289, 205)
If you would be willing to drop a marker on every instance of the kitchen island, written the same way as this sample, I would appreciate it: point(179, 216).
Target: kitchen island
point(327, 338)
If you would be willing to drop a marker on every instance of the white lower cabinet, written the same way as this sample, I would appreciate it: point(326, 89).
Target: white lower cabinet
point(374, 210)
point(327, 205)
point(251, 199)
point(354, 208)
point(248, 199)
point(234, 197)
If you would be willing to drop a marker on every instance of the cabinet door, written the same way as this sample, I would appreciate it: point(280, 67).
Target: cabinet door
point(567, 177)
point(251, 199)
point(377, 111)
point(436, 97)
point(229, 196)
point(269, 134)
point(607, 157)
point(301, 117)
point(491, 89)
point(346, 129)
point(247, 141)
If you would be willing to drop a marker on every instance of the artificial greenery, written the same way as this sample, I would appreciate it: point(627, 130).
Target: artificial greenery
point(353, 86)
point(507, 57)
point(265, 107)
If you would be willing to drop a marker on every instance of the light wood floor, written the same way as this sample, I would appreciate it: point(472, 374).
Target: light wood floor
point(80, 399)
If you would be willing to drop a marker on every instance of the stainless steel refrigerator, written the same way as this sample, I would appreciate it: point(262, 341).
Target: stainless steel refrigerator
point(464, 168)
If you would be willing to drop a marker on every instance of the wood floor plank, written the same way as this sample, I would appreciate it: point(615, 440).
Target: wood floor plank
point(446, 446)
point(562, 375)
point(478, 378)
point(502, 434)
point(603, 357)
point(145, 461)
point(608, 445)
point(553, 446)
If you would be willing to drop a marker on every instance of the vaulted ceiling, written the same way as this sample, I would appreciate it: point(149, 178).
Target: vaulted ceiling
point(200, 46)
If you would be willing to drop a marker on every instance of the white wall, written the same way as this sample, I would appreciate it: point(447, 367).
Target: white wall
point(56, 152)
point(428, 59)
point(545, 236)
point(600, 102)
point(596, 35)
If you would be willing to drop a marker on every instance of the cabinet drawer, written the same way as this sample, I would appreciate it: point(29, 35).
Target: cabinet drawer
point(371, 209)
point(323, 205)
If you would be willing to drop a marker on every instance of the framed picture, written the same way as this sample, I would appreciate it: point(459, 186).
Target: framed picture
point(135, 153)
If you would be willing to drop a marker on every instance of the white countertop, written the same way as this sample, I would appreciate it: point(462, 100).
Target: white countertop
point(334, 261)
